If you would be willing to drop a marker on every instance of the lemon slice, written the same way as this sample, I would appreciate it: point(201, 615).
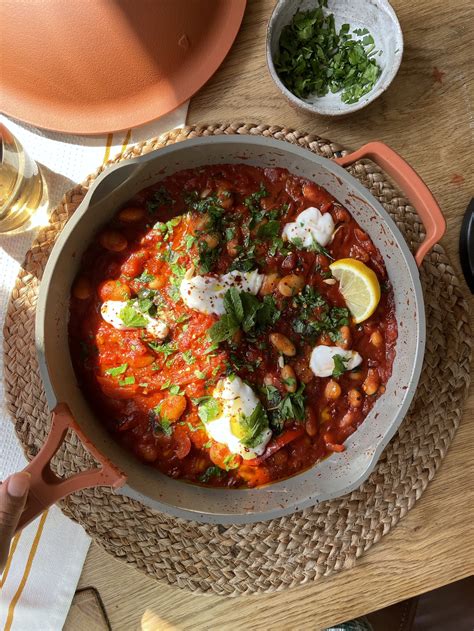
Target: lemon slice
point(359, 286)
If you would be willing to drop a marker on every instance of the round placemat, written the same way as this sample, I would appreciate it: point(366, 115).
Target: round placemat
point(288, 551)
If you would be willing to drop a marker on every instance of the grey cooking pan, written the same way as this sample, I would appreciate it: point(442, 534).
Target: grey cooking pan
point(335, 476)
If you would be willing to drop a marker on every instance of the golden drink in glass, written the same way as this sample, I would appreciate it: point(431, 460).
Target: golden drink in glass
point(23, 192)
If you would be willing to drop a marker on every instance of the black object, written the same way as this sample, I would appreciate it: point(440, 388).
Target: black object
point(466, 246)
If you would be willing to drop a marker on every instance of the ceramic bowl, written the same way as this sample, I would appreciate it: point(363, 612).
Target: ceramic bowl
point(375, 15)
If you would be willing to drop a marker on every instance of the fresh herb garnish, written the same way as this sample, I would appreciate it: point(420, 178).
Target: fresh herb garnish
point(166, 349)
point(251, 428)
point(340, 365)
point(314, 58)
point(230, 462)
point(131, 317)
point(269, 230)
point(128, 381)
point(315, 316)
point(211, 472)
point(189, 241)
point(246, 259)
point(161, 197)
point(145, 277)
point(252, 202)
point(188, 357)
point(178, 272)
point(317, 247)
point(118, 370)
point(207, 257)
point(244, 310)
point(290, 407)
point(209, 409)
point(160, 423)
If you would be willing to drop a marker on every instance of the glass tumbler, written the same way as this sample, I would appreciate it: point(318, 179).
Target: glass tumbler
point(23, 191)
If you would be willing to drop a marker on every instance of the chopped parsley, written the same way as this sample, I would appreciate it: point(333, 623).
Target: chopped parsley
point(161, 197)
point(209, 409)
point(290, 407)
point(128, 381)
point(313, 57)
point(207, 257)
point(246, 259)
point(117, 370)
point(188, 357)
point(131, 317)
point(166, 349)
point(230, 462)
point(189, 241)
point(252, 202)
point(160, 423)
point(244, 310)
point(269, 230)
point(145, 277)
point(211, 472)
point(315, 316)
point(173, 388)
point(178, 272)
point(340, 365)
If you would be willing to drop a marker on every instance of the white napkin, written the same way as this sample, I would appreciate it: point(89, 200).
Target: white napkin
point(46, 559)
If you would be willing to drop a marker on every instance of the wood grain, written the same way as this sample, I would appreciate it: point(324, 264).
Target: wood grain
point(426, 115)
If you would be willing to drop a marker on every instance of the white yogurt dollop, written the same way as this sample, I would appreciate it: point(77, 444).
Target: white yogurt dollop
point(110, 312)
point(235, 398)
point(322, 359)
point(206, 293)
point(310, 226)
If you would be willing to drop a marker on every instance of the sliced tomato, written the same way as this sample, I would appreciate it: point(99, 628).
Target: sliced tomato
point(276, 444)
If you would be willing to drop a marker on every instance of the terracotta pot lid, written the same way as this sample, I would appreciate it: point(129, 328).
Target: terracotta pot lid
point(98, 66)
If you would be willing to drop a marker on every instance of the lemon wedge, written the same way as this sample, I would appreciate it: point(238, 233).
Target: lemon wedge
point(359, 286)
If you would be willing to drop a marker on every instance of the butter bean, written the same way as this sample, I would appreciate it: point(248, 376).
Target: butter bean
point(113, 241)
point(290, 285)
point(283, 344)
point(289, 378)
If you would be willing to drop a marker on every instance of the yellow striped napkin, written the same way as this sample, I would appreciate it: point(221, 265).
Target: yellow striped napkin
point(46, 558)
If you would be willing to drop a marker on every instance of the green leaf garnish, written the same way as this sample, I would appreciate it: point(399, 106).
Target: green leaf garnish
point(314, 58)
point(131, 317)
point(249, 429)
point(128, 381)
point(211, 472)
point(161, 197)
point(291, 407)
point(209, 409)
point(117, 370)
point(340, 365)
point(243, 310)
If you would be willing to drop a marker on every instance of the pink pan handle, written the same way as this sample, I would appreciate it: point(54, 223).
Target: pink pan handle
point(411, 184)
point(46, 488)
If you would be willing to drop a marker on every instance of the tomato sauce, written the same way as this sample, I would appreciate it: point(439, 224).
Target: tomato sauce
point(211, 220)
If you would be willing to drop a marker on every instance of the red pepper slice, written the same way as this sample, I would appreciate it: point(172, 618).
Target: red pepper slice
point(276, 444)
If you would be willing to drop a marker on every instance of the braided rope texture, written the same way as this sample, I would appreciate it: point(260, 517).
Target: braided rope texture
point(292, 550)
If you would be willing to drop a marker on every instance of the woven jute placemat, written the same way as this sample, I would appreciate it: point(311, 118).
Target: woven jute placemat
point(292, 550)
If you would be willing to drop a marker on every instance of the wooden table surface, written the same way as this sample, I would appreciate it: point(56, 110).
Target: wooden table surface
point(426, 116)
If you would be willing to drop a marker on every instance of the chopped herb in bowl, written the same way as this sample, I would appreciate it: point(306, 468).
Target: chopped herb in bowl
point(315, 58)
point(332, 57)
